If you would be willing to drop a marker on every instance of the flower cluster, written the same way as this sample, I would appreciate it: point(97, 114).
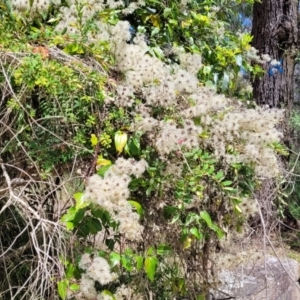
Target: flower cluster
point(111, 193)
point(249, 133)
point(249, 207)
point(257, 132)
point(36, 5)
point(191, 63)
point(172, 138)
point(125, 292)
point(253, 55)
point(125, 96)
point(96, 269)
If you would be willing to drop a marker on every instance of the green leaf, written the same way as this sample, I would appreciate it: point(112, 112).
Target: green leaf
point(80, 203)
point(138, 207)
point(62, 288)
point(135, 146)
point(206, 217)
point(206, 70)
point(178, 285)
point(227, 182)
point(195, 232)
point(70, 215)
point(74, 287)
point(220, 233)
point(167, 11)
point(157, 52)
point(126, 262)
point(107, 295)
point(79, 216)
point(163, 249)
point(69, 225)
point(175, 218)
point(139, 262)
point(97, 212)
point(70, 271)
point(94, 225)
point(191, 217)
point(52, 20)
point(94, 140)
point(101, 171)
point(155, 31)
point(170, 211)
point(74, 48)
point(150, 267)
point(150, 251)
point(230, 189)
point(115, 259)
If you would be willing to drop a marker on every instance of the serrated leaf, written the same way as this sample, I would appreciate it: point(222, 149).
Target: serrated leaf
point(150, 267)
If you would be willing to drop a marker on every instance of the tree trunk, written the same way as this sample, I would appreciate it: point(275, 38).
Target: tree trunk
point(275, 33)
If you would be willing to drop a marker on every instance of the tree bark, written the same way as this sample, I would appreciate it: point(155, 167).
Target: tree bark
point(275, 33)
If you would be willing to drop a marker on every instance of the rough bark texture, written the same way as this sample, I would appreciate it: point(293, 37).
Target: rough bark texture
point(275, 33)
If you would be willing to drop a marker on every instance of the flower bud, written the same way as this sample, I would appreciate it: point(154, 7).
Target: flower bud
point(120, 141)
